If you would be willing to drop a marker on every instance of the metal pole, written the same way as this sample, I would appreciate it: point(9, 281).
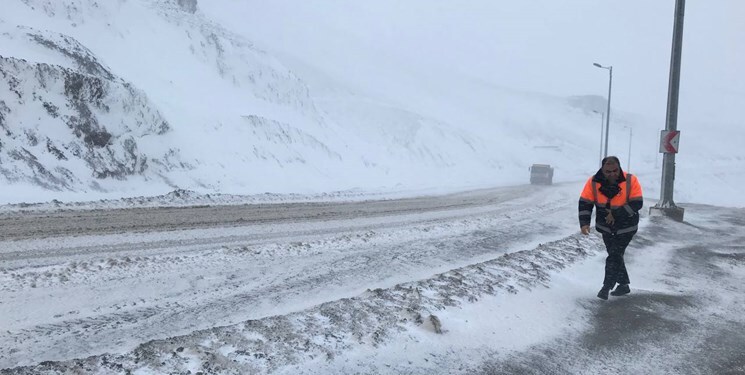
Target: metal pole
point(602, 120)
point(666, 205)
point(607, 112)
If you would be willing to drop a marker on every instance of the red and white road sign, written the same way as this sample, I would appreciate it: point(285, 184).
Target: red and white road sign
point(669, 140)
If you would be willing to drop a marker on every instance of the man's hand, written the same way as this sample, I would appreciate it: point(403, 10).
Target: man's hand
point(609, 219)
point(585, 229)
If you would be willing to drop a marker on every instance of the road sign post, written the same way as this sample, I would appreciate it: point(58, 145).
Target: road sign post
point(670, 136)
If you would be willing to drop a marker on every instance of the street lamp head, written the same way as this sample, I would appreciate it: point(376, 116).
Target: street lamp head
point(604, 67)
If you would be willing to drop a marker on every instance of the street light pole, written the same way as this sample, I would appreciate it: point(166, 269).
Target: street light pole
point(602, 118)
point(602, 122)
point(607, 111)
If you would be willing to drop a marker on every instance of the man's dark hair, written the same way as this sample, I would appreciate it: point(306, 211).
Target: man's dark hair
point(610, 159)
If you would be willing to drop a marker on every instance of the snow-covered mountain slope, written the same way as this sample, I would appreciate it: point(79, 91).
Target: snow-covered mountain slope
point(201, 107)
point(253, 97)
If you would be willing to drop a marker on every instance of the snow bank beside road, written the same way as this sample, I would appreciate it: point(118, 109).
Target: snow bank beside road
point(332, 329)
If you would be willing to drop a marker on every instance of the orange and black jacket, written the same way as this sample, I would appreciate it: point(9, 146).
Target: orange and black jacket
point(624, 202)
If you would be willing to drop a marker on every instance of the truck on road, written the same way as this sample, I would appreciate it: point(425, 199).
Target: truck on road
point(542, 174)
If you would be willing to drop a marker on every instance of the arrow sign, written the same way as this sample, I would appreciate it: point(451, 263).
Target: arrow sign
point(669, 140)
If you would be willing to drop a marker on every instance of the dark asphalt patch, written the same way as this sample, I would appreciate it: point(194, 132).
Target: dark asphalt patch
point(622, 326)
point(637, 317)
point(692, 333)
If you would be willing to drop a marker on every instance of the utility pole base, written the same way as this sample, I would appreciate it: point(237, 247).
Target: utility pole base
point(675, 213)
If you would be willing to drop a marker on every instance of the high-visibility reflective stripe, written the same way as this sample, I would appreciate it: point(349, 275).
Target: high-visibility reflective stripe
point(628, 209)
point(627, 230)
point(585, 213)
point(620, 231)
point(585, 200)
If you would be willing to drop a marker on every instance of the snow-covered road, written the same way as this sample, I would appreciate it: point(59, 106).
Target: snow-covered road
point(483, 282)
point(76, 283)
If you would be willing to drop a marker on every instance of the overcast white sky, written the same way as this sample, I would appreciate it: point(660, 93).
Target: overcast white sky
point(543, 46)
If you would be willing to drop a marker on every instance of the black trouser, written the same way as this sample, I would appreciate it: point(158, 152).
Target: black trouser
point(615, 268)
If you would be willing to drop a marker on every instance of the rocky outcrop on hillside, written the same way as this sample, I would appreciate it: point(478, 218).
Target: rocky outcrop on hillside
point(65, 123)
point(188, 5)
point(70, 120)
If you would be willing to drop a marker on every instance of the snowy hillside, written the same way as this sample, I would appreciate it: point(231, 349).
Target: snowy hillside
point(142, 97)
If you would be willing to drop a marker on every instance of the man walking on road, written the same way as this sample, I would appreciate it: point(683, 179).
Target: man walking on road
point(618, 198)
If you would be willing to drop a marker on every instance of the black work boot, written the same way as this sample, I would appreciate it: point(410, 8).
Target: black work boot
point(603, 293)
point(621, 289)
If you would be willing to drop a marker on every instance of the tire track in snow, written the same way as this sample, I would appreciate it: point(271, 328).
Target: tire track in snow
point(229, 282)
